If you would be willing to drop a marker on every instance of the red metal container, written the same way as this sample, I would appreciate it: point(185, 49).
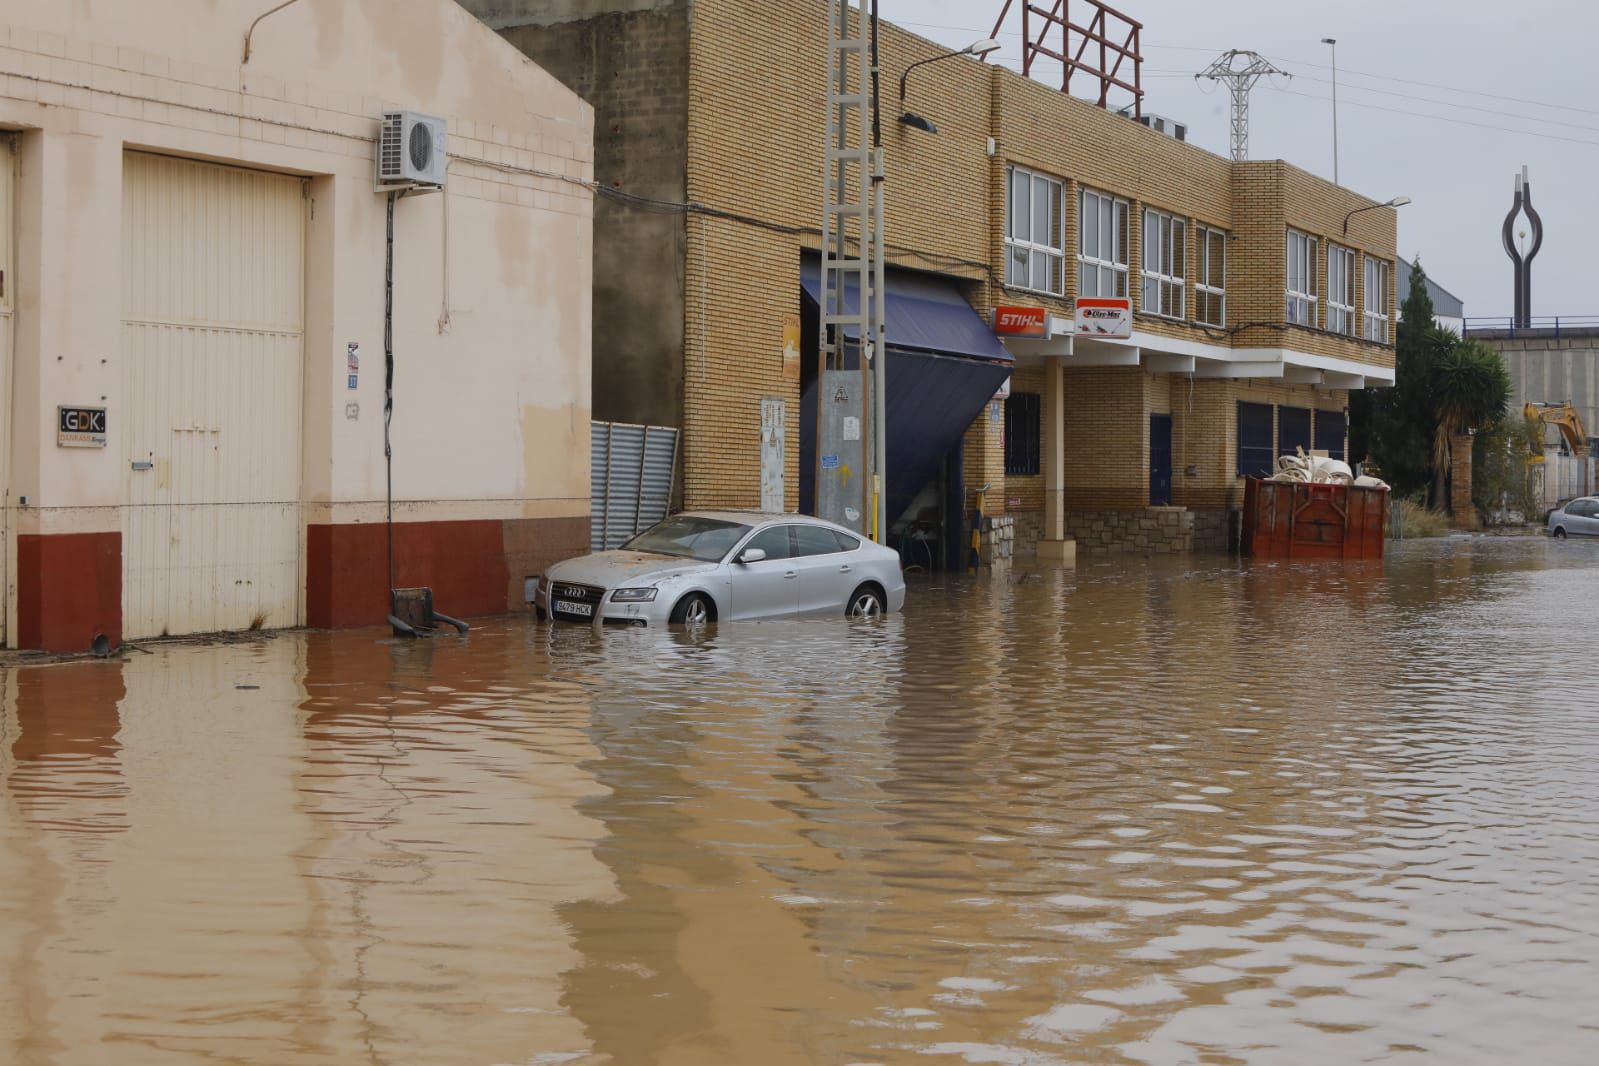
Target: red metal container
point(1299, 520)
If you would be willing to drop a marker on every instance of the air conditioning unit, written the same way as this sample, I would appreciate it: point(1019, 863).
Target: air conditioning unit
point(1159, 123)
point(410, 151)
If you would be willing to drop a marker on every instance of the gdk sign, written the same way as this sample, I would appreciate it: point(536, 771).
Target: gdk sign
point(80, 427)
point(1019, 321)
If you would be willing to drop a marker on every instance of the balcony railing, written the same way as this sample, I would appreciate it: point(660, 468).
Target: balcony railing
point(1539, 326)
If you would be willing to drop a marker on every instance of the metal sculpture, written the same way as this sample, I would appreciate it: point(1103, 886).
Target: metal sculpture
point(1522, 319)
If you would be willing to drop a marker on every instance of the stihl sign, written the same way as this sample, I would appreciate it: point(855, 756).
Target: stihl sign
point(1019, 321)
point(1100, 316)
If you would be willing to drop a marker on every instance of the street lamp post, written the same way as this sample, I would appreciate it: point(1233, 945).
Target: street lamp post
point(1332, 43)
point(976, 48)
point(1398, 201)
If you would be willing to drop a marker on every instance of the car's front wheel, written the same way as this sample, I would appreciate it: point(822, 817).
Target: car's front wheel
point(866, 604)
point(695, 609)
point(1560, 533)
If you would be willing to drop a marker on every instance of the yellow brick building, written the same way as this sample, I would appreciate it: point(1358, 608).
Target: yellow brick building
point(1259, 249)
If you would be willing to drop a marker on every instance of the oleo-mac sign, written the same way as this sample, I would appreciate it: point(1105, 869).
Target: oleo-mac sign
point(1102, 316)
point(1019, 321)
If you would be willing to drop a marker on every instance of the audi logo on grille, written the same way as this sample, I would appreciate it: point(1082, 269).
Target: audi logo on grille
point(573, 591)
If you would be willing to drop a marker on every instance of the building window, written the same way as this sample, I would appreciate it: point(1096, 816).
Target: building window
point(1165, 253)
point(1293, 430)
point(1102, 245)
point(1331, 429)
point(1210, 286)
point(1340, 290)
point(1301, 278)
point(1023, 437)
point(1254, 439)
point(1376, 305)
point(1035, 233)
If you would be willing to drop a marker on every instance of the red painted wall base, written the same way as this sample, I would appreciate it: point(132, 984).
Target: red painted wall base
point(474, 568)
point(69, 590)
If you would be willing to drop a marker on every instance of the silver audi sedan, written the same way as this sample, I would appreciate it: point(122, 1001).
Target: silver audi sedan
point(708, 566)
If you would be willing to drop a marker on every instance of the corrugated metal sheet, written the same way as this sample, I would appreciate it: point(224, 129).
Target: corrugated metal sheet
point(631, 480)
point(213, 346)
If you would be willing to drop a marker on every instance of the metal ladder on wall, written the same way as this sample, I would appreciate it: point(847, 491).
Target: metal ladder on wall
point(852, 223)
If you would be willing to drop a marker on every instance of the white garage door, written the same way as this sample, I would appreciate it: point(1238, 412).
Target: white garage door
point(212, 345)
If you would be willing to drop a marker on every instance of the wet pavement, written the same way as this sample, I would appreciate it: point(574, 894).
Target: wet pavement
point(1171, 812)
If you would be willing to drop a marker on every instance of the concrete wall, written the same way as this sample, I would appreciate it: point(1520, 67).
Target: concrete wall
point(1546, 368)
point(629, 60)
point(493, 386)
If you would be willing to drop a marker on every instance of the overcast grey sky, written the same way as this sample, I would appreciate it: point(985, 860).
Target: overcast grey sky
point(1458, 68)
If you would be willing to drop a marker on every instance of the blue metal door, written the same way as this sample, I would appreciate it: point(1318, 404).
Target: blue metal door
point(1160, 460)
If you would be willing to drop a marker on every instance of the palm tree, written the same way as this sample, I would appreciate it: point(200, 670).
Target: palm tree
point(1470, 390)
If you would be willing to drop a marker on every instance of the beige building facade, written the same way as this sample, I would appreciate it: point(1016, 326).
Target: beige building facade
point(1261, 294)
point(194, 317)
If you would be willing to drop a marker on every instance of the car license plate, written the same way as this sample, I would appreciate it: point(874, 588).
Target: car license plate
point(568, 607)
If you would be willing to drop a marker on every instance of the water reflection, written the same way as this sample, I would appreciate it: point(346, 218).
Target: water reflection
point(1189, 811)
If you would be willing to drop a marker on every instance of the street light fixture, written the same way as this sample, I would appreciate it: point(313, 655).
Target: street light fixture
point(976, 48)
point(1398, 201)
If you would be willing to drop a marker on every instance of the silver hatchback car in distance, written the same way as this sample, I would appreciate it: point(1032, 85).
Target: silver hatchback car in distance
point(708, 566)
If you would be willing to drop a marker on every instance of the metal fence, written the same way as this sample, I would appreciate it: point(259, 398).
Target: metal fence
point(631, 480)
point(1540, 325)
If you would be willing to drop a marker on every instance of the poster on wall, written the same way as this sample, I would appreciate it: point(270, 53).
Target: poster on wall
point(791, 347)
point(1103, 316)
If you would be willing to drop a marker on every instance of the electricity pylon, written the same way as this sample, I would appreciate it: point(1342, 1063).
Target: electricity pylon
point(1240, 70)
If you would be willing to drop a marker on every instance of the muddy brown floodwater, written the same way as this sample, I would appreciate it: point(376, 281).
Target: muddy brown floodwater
point(1185, 812)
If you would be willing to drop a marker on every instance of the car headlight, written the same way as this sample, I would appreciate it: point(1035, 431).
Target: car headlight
point(633, 596)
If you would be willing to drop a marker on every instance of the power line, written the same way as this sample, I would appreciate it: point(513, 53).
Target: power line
point(1550, 105)
point(1457, 89)
point(1452, 121)
point(1462, 107)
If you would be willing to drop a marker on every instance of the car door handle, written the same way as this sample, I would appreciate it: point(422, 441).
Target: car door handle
point(791, 573)
point(846, 568)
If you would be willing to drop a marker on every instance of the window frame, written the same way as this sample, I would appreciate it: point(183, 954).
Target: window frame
point(1318, 433)
point(1301, 417)
point(1341, 317)
point(1054, 254)
point(1024, 454)
point(1306, 299)
point(1120, 223)
point(1202, 282)
point(1375, 326)
point(1171, 252)
point(1248, 470)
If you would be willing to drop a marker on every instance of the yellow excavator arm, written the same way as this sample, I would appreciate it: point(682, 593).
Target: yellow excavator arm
point(1562, 416)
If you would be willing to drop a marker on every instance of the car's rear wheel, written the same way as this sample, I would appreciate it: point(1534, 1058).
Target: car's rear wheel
point(866, 604)
point(695, 609)
point(1560, 533)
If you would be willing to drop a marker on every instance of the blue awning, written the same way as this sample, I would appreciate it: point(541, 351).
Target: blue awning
point(944, 365)
point(925, 314)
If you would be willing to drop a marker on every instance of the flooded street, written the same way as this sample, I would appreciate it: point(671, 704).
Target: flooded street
point(1170, 812)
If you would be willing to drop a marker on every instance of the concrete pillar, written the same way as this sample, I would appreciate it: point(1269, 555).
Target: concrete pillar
point(1055, 546)
point(1460, 506)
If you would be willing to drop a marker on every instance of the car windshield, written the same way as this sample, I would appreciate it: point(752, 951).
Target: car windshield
point(689, 537)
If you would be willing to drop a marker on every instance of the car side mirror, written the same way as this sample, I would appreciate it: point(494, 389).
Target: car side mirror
point(752, 555)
